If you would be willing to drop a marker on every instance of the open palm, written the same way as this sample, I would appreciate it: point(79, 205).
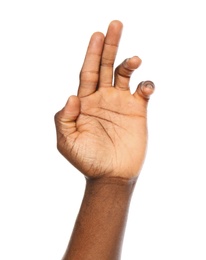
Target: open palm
point(103, 130)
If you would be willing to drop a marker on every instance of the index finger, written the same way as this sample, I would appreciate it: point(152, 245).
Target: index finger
point(109, 53)
point(89, 75)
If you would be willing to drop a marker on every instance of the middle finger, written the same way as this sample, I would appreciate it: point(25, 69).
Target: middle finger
point(109, 53)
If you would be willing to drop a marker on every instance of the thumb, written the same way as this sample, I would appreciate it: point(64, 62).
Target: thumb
point(65, 118)
point(65, 122)
point(72, 109)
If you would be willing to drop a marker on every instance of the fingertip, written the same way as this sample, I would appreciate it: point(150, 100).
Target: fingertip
point(137, 59)
point(115, 29)
point(132, 63)
point(96, 41)
point(116, 23)
point(72, 101)
point(72, 107)
point(145, 89)
point(99, 36)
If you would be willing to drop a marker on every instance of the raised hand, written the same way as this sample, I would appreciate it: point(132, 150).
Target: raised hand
point(103, 130)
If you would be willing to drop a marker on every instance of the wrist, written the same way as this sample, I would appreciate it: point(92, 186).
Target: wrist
point(125, 183)
point(112, 188)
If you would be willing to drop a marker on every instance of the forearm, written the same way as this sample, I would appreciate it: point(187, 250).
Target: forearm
point(99, 229)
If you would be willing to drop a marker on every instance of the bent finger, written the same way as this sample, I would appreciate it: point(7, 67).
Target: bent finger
point(144, 90)
point(124, 71)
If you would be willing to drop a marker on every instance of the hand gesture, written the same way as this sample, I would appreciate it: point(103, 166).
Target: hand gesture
point(103, 130)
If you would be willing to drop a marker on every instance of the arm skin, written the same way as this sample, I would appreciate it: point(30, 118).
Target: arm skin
point(103, 132)
point(99, 229)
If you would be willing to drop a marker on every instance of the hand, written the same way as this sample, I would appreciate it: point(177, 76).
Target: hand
point(103, 130)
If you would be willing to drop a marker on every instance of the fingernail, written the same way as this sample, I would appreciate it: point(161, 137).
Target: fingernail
point(147, 88)
point(148, 84)
point(125, 63)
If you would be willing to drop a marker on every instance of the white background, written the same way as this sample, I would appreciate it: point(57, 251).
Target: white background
point(42, 46)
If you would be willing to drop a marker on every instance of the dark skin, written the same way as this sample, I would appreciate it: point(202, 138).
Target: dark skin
point(103, 132)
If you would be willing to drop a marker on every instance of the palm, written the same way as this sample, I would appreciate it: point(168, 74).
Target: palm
point(108, 135)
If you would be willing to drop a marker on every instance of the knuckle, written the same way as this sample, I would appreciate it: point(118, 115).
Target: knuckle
point(89, 76)
point(107, 62)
